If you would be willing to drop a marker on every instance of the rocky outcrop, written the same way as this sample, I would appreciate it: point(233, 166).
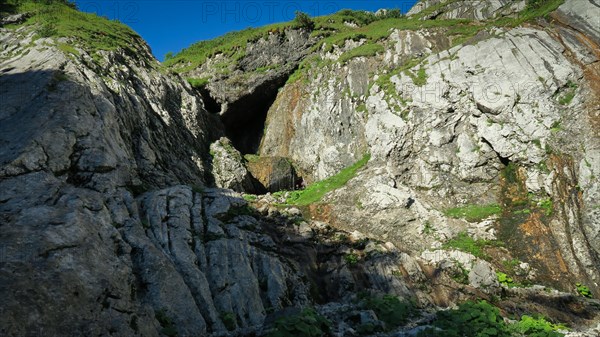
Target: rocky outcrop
point(229, 170)
point(458, 9)
point(274, 173)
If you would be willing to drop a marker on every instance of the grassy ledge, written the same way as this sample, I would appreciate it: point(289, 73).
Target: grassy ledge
point(61, 19)
point(316, 191)
point(473, 213)
point(467, 244)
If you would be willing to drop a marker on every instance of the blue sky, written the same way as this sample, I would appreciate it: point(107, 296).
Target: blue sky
point(173, 25)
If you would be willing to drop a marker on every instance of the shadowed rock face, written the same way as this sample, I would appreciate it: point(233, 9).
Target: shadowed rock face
point(110, 224)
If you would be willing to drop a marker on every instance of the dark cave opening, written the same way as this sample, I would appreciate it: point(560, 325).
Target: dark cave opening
point(504, 160)
point(210, 104)
point(244, 119)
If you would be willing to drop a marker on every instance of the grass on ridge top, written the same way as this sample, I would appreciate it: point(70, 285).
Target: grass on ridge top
point(334, 30)
point(315, 192)
point(57, 19)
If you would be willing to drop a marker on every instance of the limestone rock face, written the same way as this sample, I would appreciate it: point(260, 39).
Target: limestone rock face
point(274, 173)
point(446, 131)
point(477, 10)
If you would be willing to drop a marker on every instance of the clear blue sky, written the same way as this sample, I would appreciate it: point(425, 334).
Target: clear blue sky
point(173, 25)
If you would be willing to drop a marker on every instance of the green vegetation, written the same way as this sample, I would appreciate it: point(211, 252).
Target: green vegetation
point(470, 319)
point(351, 259)
point(390, 310)
point(232, 45)
point(547, 205)
point(583, 290)
point(460, 274)
point(465, 243)
point(198, 83)
point(229, 320)
point(474, 213)
point(505, 280)
point(481, 319)
point(61, 19)
point(308, 323)
point(536, 327)
point(303, 21)
point(368, 49)
point(568, 94)
point(420, 78)
point(428, 228)
point(168, 327)
point(236, 211)
point(316, 191)
point(250, 197)
point(333, 30)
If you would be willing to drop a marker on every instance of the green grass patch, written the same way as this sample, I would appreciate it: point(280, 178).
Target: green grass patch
point(465, 243)
point(67, 49)
point(59, 19)
point(315, 192)
point(366, 50)
point(474, 213)
point(420, 78)
point(198, 83)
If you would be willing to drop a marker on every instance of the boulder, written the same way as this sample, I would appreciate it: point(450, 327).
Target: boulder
point(229, 170)
point(274, 173)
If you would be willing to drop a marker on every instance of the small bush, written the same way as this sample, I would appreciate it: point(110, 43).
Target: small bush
point(471, 319)
point(505, 279)
point(307, 324)
point(583, 290)
point(535, 327)
point(303, 21)
point(351, 259)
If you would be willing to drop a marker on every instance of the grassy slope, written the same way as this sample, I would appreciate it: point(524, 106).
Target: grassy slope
point(57, 19)
point(332, 30)
point(315, 192)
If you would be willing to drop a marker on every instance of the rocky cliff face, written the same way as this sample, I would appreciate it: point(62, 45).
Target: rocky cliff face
point(445, 125)
point(487, 133)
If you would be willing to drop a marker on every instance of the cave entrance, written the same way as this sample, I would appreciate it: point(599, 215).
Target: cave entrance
point(244, 119)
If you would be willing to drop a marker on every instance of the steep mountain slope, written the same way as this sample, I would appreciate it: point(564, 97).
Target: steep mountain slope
point(504, 118)
point(484, 158)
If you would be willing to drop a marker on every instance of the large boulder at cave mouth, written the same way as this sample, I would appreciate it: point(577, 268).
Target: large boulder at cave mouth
point(229, 170)
point(274, 173)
